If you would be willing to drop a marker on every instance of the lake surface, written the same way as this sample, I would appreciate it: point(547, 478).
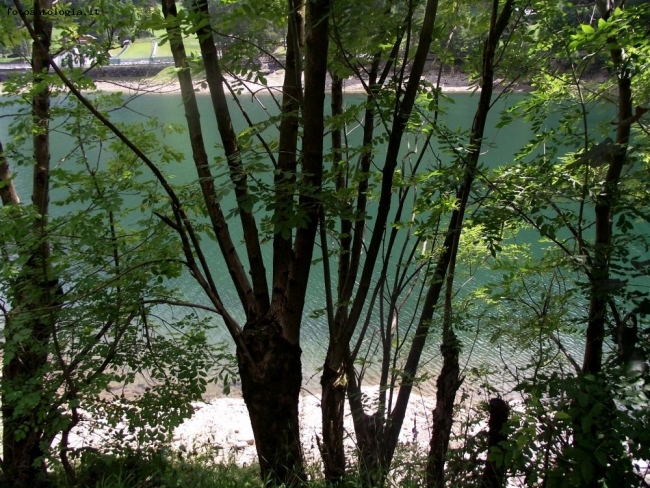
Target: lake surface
point(499, 148)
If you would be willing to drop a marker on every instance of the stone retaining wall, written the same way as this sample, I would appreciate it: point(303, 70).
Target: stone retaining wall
point(133, 71)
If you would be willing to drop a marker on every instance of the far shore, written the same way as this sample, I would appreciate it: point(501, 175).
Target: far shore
point(273, 85)
point(454, 82)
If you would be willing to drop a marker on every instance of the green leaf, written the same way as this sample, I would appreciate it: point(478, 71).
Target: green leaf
point(587, 29)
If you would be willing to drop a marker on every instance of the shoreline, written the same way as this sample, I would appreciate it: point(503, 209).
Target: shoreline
point(451, 82)
point(221, 428)
point(247, 87)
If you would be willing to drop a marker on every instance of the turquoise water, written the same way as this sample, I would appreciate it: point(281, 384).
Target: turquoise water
point(499, 149)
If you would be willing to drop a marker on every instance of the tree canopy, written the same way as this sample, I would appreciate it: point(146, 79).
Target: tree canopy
point(399, 210)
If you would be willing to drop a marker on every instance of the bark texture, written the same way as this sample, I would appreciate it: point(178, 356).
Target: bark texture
point(447, 386)
point(271, 394)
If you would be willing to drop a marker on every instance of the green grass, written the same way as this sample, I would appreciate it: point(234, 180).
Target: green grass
point(163, 50)
point(115, 52)
point(159, 471)
point(140, 49)
point(197, 470)
point(191, 46)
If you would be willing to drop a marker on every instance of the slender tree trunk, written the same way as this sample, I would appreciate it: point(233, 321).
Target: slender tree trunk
point(598, 291)
point(449, 379)
point(493, 475)
point(237, 173)
point(285, 177)
point(332, 380)
point(29, 324)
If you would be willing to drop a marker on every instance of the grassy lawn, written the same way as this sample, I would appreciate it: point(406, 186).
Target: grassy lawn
point(115, 52)
point(164, 50)
point(140, 49)
point(191, 46)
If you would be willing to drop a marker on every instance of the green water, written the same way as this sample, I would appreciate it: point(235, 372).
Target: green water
point(499, 148)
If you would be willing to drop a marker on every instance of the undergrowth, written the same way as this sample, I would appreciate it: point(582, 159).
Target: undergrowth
point(176, 469)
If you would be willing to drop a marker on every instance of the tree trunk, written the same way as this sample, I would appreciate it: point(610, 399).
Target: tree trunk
point(449, 380)
point(271, 393)
point(268, 347)
point(28, 325)
point(369, 430)
point(447, 385)
point(285, 178)
point(332, 409)
point(333, 379)
point(493, 475)
point(598, 294)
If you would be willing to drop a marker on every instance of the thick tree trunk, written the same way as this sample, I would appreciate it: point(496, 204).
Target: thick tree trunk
point(271, 392)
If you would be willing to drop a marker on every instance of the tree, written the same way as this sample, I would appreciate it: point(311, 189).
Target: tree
point(268, 347)
point(377, 433)
point(36, 289)
point(78, 284)
point(582, 194)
